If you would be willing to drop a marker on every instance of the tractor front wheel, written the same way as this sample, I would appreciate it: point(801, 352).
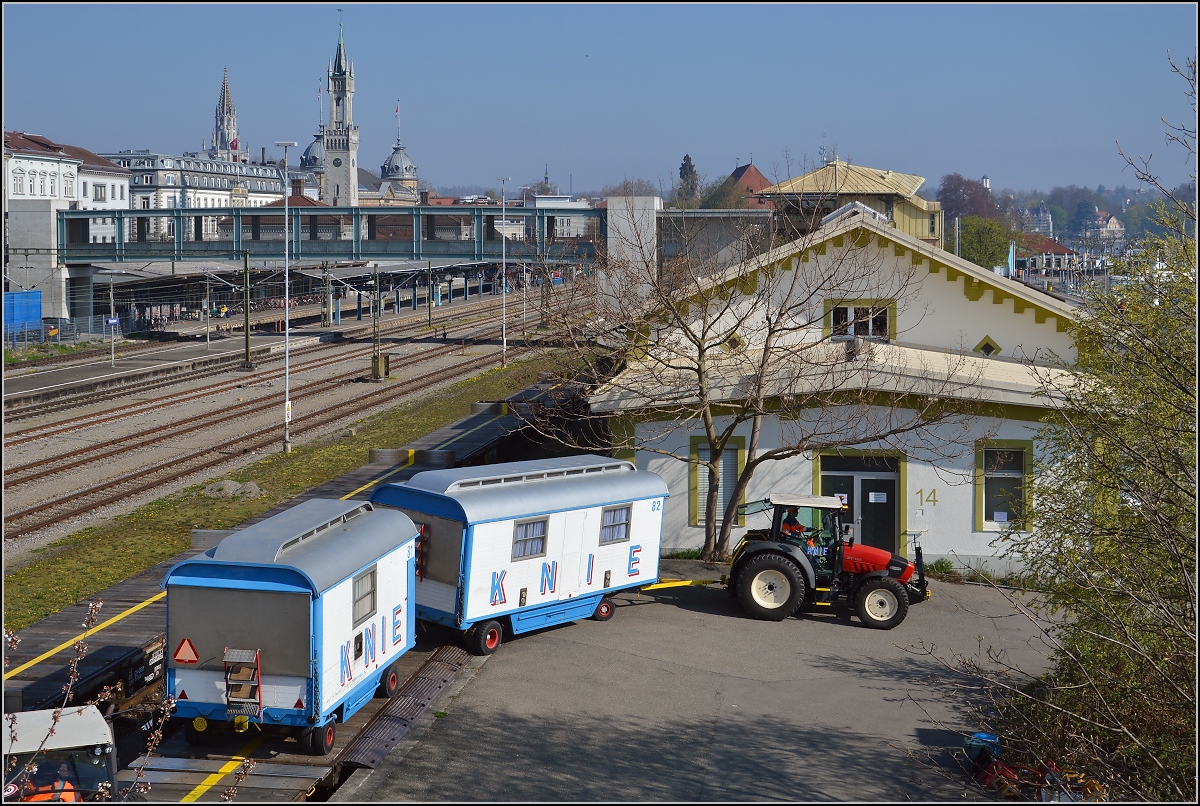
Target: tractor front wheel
point(770, 587)
point(881, 603)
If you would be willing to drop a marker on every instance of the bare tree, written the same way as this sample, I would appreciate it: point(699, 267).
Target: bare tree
point(716, 329)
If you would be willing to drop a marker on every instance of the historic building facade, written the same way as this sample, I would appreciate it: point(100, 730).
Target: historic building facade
point(340, 137)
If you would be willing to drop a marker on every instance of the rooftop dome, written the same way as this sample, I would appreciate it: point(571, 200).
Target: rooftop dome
point(398, 165)
point(314, 155)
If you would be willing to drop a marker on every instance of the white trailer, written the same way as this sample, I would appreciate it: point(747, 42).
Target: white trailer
point(294, 622)
point(527, 545)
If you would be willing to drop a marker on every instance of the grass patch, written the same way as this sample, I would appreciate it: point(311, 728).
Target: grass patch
point(684, 554)
point(49, 349)
point(86, 562)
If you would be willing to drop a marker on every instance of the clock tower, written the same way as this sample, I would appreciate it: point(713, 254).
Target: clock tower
point(341, 135)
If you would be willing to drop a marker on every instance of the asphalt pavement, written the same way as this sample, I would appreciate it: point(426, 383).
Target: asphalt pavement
point(681, 697)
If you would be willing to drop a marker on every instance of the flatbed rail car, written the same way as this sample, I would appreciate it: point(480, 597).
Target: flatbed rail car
point(292, 623)
point(527, 545)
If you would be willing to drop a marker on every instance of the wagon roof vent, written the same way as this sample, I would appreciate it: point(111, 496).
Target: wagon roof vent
point(515, 473)
point(544, 475)
point(316, 530)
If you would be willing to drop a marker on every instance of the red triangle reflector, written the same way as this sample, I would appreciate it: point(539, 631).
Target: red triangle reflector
point(182, 695)
point(299, 703)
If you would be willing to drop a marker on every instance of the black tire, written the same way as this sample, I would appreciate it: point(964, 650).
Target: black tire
point(321, 739)
point(389, 683)
point(770, 587)
point(484, 638)
point(197, 738)
point(605, 610)
point(881, 603)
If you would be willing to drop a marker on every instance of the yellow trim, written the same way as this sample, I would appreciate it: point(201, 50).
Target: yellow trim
point(226, 769)
point(987, 341)
point(973, 289)
point(736, 443)
point(1027, 481)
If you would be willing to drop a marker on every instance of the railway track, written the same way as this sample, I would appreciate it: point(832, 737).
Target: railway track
point(407, 323)
point(51, 512)
point(50, 466)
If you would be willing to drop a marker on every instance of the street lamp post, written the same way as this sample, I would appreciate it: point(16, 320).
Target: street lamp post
point(287, 391)
point(503, 276)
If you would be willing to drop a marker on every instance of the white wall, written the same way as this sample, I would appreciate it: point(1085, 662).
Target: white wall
point(33, 224)
point(949, 525)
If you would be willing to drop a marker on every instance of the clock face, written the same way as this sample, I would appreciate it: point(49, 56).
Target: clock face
point(337, 163)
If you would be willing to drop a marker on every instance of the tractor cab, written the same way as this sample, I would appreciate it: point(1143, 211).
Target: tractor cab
point(813, 523)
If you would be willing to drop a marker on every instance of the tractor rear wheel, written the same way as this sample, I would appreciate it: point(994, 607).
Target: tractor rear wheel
point(770, 587)
point(881, 603)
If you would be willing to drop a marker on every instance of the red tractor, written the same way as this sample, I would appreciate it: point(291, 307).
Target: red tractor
point(777, 571)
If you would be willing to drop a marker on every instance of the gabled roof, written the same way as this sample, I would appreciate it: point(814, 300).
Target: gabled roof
point(844, 178)
point(1041, 245)
point(750, 178)
point(979, 277)
point(296, 201)
point(37, 145)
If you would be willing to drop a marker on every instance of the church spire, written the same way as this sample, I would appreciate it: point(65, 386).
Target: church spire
point(339, 67)
point(225, 105)
point(225, 132)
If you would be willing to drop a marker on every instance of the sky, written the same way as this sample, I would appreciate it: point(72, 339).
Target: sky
point(1033, 96)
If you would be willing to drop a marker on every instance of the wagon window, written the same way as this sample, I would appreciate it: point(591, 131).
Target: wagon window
point(364, 596)
point(529, 540)
point(614, 526)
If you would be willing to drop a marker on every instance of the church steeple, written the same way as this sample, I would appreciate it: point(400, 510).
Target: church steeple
point(340, 137)
point(225, 132)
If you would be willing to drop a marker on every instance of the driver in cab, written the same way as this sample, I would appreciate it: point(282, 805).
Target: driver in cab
point(791, 527)
point(50, 784)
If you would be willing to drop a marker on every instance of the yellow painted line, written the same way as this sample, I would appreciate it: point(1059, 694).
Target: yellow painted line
point(467, 433)
point(212, 780)
point(375, 481)
point(83, 635)
point(679, 583)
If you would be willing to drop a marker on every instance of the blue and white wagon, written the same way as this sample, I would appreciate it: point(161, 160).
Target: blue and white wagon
point(294, 622)
point(519, 546)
